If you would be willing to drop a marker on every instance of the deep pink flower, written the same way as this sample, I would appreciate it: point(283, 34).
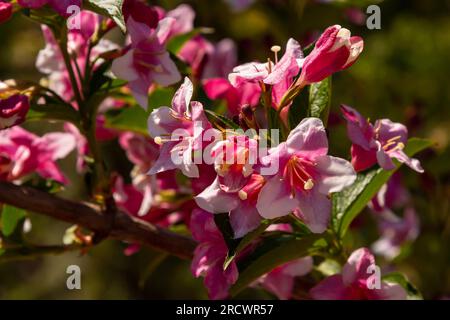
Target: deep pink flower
point(395, 231)
point(280, 281)
point(334, 51)
point(175, 130)
point(147, 62)
point(140, 12)
point(352, 284)
point(195, 52)
point(22, 153)
point(13, 109)
point(377, 143)
point(305, 177)
point(59, 6)
point(210, 255)
point(5, 11)
point(219, 88)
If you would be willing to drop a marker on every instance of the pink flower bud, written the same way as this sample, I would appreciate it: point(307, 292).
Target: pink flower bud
point(5, 11)
point(335, 50)
point(13, 110)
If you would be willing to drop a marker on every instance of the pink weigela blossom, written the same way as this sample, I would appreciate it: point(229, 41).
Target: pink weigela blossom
point(378, 143)
point(353, 283)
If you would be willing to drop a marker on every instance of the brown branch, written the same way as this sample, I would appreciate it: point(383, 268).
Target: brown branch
point(125, 227)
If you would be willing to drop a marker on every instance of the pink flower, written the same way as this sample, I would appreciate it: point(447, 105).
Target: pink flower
point(241, 204)
point(140, 12)
point(305, 177)
point(13, 109)
point(5, 11)
point(235, 189)
point(377, 143)
point(23, 153)
point(221, 60)
point(335, 50)
point(82, 145)
point(210, 255)
point(184, 17)
point(175, 130)
point(392, 195)
point(147, 62)
point(50, 60)
point(219, 88)
point(395, 232)
point(195, 52)
point(279, 75)
point(280, 281)
point(60, 6)
point(354, 282)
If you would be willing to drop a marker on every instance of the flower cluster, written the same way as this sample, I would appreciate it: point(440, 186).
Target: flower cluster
point(254, 164)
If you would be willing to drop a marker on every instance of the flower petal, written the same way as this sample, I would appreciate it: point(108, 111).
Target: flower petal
point(275, 200)
point(357, 265)
point(331, 288)
point(335, 174)
point(215, 200)
point(243, 219)
point(308, 138)
point(314, 209)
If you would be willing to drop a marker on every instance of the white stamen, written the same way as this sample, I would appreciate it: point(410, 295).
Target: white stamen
point(158, 140)
point(275, 49)
point(242, 195)
point(308, 184)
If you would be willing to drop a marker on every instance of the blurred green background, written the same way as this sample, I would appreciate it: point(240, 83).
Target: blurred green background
point(403, 74)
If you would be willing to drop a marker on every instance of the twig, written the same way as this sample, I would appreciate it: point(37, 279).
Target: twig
point(125, 227)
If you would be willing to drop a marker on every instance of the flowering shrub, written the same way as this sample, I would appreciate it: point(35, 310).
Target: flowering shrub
point(218, 151)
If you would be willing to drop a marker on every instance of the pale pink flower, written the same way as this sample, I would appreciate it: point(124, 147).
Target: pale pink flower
point(381, 142)
point(395, 231)
point(353, 283)
point(146, 61)
point(175, 130)
point(306, 176)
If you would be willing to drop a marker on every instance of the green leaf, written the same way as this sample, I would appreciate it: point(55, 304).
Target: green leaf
point(320, 99)
point(53, 111)
point(176, 43)
point(222, 221)
point(243, 242)
point(220, 120)
point(160, 97)
point(129, 119)
point(398, 278)
point(10, 218)
point(272, 252)
point(110, 8)
point(348, 203)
